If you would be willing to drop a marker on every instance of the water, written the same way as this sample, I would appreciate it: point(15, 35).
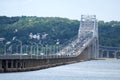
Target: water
point(89, 70)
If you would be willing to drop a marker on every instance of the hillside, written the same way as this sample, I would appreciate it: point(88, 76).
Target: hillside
point(109, 33)
point(52, 29)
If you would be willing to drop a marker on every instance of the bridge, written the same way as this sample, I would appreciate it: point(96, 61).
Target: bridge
point(84, 46)
point(109, 52)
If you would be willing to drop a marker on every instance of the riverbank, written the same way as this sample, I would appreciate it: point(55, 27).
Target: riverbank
point(106, 59)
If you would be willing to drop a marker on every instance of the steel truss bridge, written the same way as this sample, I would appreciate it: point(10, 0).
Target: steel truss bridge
point(84, 46)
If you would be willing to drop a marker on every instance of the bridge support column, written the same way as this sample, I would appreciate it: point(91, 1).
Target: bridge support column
point(7, 65)
point(101, 54)
point(1, 70)
point(115, 54)
point(89, 51)
point(15, 64)
point(11, 63)
point(4, 65)
point(107, 54)
point(93, 51)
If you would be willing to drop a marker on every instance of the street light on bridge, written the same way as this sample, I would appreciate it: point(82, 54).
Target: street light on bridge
point(5, 50)
point(32, 46)
point(1, 40)
point(20, 45)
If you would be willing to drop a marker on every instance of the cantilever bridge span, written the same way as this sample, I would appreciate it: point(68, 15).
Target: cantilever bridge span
point(83, 47)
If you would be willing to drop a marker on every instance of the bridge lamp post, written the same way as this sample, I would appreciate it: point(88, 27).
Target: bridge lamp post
point(54, 48)
point(10, 48)
point(26, 49)
point(17, 46)
point(31, 50)
point(36, 46)
point(41, 51)
point(32, 46)
point(1, 40)
point(50, 50)
point(20, 45)
point(46, 50)
point(7, 43)
point(57, 43)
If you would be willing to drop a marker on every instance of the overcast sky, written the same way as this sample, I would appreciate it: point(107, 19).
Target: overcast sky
point(106, 10)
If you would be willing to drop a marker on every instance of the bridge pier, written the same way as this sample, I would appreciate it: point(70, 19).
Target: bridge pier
point(1, 69)
point(107, 54)
point(101, 53)
point(115, 54)
point(92, 51)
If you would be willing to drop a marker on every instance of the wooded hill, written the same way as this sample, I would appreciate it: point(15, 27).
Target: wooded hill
point(53, 29)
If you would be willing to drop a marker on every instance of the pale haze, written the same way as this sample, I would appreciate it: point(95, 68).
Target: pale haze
point(106, 10)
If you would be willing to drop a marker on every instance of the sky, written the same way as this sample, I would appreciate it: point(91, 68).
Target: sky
point(106, 10)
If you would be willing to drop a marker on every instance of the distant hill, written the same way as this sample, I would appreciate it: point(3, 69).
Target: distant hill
point(51, 29)
point(109, 33)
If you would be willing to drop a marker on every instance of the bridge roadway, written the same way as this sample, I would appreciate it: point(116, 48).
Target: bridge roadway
point(12, 63)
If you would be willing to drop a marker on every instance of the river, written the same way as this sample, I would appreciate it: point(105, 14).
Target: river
point(89, 70)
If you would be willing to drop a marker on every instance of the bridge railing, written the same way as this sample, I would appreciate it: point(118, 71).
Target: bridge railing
point(109, 48)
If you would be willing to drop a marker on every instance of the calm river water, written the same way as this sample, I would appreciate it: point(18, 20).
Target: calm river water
point(89, 70)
